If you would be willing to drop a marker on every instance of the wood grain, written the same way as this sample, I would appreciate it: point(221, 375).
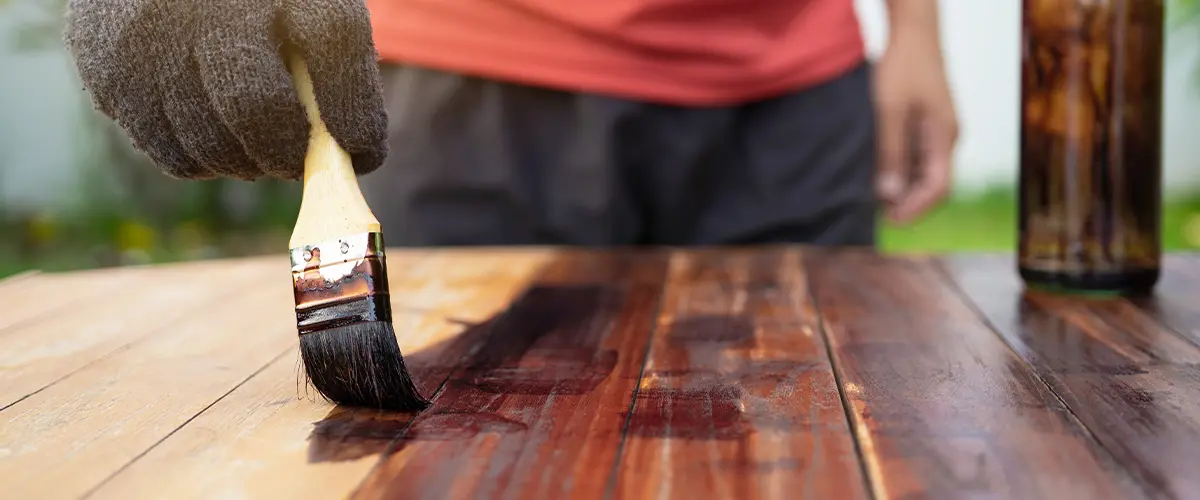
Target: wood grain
point(738, 399)
point(34, 355)
point(440, 279)
point(31, 296)
point(1176, 302)
point(263, 441)
point(537, 410)
point(123, 404)
point(770, 372)
point(34, 296)
point(1132, 381)
point(943, 408)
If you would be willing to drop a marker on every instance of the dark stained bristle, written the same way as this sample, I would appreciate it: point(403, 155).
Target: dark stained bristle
point(343, 316)
point(360, 365)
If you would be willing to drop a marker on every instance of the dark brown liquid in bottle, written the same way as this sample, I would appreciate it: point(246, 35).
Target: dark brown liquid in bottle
point(1090, 174)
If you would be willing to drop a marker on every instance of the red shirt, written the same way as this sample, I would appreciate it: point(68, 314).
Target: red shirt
point(673, 51)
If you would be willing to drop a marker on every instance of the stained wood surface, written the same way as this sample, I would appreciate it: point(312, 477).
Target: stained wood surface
point(737, 398)
point(771, 372)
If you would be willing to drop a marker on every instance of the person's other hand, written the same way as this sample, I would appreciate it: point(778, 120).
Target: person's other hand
point(201, 87)
point(918, 126)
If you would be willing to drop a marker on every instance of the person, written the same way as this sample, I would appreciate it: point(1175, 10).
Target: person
point(493, 122)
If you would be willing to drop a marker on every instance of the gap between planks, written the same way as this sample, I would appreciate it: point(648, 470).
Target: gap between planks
point(150, 448)
point(1123, 367)
point(611, 484)
point(547, 347)
point(760, 470)
point(228, 431)
point(862, 439)
point(175, 445)
point(56, 366)
point(941, 406)
point(742, 398)
point(940, 268)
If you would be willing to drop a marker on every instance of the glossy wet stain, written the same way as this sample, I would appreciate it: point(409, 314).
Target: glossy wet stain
point(738, 356)
point(768, 373)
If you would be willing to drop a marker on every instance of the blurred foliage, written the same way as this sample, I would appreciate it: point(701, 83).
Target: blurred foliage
point(1183, 11)
point(42, 30)
point(125, 211)
point(1185, 15)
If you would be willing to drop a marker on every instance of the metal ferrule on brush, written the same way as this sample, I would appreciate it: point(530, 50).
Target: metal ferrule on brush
point(340, 282)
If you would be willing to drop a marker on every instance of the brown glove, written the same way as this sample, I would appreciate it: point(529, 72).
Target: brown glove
point(202, 88)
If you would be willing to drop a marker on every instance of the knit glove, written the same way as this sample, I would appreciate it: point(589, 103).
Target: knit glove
point(202, 87)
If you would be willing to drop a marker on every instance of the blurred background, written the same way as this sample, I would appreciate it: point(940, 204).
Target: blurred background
point(73, 195)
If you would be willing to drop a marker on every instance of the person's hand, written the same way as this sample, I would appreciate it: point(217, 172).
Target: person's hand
point(202, 88)
point(918, 126)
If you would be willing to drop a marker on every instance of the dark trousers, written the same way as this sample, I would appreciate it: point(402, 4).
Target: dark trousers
point(480, 162)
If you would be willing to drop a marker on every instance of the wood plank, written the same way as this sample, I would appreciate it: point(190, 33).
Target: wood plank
point(537, 410)
point(35, 355)
point(262, 441)
point(25, 300)
point(1134, 383)
point(1176, 302)
point(67, 438)
point(942, 407)
point(446, 276)
point(738, 399)
point(34, 296)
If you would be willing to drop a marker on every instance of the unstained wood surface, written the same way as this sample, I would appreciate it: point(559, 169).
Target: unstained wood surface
point(772, 372)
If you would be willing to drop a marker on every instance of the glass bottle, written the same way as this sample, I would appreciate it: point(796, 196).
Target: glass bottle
point(1091, 145)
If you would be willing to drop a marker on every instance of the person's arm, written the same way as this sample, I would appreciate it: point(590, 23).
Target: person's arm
point(915, 112)
point(914, 18)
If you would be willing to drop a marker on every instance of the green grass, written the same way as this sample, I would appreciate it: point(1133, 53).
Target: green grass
point(988, 222)
point(983, 222)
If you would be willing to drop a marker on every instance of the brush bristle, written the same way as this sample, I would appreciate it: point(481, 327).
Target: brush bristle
point(360, 365)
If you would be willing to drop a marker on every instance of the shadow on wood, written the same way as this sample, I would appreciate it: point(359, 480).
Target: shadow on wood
point(537, 346)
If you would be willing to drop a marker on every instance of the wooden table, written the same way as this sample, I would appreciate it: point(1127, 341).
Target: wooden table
point(767, 373)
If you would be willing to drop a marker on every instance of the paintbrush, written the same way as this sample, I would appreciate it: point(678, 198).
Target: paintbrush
point(343, 314)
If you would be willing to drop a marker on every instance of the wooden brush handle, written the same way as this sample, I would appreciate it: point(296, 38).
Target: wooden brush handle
point(332, 206)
